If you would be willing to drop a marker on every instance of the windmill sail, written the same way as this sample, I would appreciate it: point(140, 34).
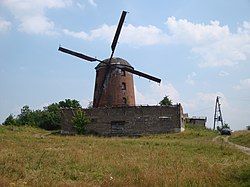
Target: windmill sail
point(107, 63)
point(79, 55)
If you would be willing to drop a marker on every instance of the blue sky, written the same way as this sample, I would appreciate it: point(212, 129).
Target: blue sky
point(200, 49)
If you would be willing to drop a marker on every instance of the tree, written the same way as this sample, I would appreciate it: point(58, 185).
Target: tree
point(165, 101)
point(50, 117)
point(26, 117)
point(68, 103)
point(10, 120)
point(80, 121)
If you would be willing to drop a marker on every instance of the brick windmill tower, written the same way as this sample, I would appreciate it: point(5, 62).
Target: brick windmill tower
point(120, 90)
point(114, 86)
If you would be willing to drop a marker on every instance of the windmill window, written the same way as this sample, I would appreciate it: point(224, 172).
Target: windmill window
point(123, 73)
point(124, 100)
point(123, 86)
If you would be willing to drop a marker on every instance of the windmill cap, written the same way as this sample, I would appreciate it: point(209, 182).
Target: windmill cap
point(114, 61)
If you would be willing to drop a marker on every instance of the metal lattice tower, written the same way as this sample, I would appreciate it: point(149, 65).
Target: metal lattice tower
point(217, 113)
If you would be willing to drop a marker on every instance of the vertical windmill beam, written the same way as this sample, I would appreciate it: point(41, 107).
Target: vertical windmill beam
point(117, 33)
point(215, 112)
point(221, 119)
point(113, 46)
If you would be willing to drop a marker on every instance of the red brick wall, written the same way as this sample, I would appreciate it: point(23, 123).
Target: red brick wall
point(114, 93)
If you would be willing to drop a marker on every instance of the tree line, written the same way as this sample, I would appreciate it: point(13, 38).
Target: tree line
point(49, 118)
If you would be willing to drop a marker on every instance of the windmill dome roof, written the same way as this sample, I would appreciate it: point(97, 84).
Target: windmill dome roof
point(114, 61)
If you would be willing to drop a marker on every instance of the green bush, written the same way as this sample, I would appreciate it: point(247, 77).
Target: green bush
point(80, 120)
point(49, 118)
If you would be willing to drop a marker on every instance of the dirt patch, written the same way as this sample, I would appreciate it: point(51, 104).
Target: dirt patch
point(225, 139)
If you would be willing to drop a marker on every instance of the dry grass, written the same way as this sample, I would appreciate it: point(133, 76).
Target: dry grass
point(185, 159)
point(241, 138)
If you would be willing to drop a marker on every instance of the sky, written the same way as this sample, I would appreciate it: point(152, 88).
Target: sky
point(200, 50)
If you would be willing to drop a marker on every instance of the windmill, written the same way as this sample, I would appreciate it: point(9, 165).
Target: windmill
point(114, 76)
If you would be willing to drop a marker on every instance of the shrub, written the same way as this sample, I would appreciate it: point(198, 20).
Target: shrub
point(80, 120)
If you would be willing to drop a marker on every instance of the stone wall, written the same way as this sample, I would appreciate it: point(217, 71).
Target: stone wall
point(129, 121)
point(196, 121)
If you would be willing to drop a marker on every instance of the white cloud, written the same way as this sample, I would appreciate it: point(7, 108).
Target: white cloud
point(37, 25)
point(155, 94)
point(141, 99)
point(223, 73)
point(138, 36)
point(244, 84)
point(92, 2)
point(163, 90)
point(143, 35)
point(212, 44)
point(190, 78)
point(209, 98)
point(81, 35)
point(104, 32)
point(4, 25)
point(184, 31)
point(226, 52)
point(204, 100)
point(203, 104)
point(80, 5)
point(245, 29)
point(85, 103)
point(31, 14)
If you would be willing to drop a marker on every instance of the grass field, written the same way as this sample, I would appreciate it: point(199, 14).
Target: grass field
point(241, 138)
point(190, 158)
